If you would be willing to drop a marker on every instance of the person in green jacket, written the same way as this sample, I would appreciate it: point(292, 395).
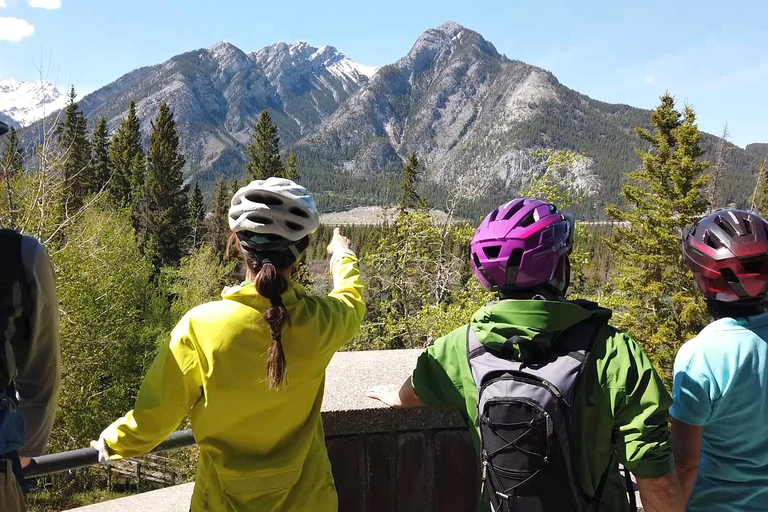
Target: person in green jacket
point(250, 368)
point(620, 406)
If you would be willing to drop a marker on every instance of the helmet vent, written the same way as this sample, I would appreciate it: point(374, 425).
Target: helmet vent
point(753, 266)
point(262, 220)
point(528, 220)
point(299, 212)
point(515, 258)
point(748, 224)
point(729, 276)
point(492, 252)
point(514, 209)
point(713, 242)
point(725, 226)
point(294, 226)
point(267, 199)
point(493, 216)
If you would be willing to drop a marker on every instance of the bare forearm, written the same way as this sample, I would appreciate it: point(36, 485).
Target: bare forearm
point(661, 494)
point(687, 477)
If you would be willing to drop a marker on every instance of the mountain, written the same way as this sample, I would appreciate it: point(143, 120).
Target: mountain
point(758, 150)
point(217, 94)
point(468, 111)
point(471, 114)
point(22, 103)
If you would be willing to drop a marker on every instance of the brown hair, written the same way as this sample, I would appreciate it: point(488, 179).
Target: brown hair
point(270, 283)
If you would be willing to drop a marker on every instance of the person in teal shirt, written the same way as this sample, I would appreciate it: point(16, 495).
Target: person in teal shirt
point(720, 390)
point(620, 406)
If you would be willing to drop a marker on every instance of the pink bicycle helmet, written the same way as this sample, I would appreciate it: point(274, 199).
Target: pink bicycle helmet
point(519, 246)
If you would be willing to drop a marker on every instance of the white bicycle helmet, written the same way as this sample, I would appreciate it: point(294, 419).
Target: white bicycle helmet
point(271, 214)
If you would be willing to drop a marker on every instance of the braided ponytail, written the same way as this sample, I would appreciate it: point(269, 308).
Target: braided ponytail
point(271, 284)
point(268, 268)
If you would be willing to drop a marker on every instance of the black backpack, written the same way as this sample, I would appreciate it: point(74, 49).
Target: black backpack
point(524, 416)
point(15, 331)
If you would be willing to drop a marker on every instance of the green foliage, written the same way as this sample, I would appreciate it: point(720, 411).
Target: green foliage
point(197, 217)
point(102, 167)
point(199, 278)
point(263, 153)
point(111, 318)
point(123, 152)
point(417, 268)
point(291, 170)
point(654, 294)
point(552, 185)
point(12, 159)
point(76, 155)
point(217, 225)
point(409, 199)
point(760, 194)
point(163, 210)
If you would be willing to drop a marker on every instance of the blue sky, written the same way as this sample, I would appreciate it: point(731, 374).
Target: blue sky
point(713, 55)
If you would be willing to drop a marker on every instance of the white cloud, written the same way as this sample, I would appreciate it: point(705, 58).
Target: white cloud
point(2, 4)
point(650, 79)
point(15, 29)
point(45, 4)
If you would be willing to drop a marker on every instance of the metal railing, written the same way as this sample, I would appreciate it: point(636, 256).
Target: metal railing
point(76, 459)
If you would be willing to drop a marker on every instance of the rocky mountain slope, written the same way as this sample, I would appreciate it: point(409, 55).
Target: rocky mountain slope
point(217, 94)
point(470, 113)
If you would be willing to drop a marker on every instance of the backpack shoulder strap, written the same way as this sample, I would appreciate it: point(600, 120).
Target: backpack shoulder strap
point(14, 298)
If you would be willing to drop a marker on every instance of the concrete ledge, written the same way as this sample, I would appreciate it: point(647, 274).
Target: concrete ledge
point(170, 499)
point(346, 409)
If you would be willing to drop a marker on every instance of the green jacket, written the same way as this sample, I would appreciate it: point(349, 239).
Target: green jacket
point(620, 405)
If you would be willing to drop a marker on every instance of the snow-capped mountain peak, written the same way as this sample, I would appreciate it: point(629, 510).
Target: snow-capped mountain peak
point(280, 57)
point(27, 102)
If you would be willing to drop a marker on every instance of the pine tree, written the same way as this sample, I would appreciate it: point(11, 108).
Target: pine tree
point(760, 194)
point(409, 199)
point(164, 209)
point(714, 188)
point(217, 225)
point(197, 216)
point(125, 146)
point(263, 154)
point(76, 161)
point(234, 187)
point(100, 151)
point(653, 292)
point(291, 170)
point(13, 159)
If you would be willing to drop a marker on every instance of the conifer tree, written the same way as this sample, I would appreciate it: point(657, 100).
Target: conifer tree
point(217, 225)
point(291, 170)
point(125, 147)
point(100, 151)
point(164, 209)
point(197, 216)
point(12, 156)
point(263, 154)
point(76, 160)
point(654, 294)
point(234, 187)
point(760, 195)
point(409, 199)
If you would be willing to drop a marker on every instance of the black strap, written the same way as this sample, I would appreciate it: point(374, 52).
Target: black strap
point(597, 498)
point(630, 490)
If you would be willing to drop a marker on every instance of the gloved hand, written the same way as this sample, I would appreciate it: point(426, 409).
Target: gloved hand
point(100, 447)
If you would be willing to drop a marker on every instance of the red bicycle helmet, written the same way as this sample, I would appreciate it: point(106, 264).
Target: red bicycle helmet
point(727, 252)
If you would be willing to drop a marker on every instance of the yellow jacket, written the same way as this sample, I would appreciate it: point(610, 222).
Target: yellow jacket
point(260, 450)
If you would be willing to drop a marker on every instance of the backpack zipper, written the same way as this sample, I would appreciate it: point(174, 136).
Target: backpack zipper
point(530, 379)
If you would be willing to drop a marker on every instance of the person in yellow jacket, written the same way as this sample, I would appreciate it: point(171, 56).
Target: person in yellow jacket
point(250, 368)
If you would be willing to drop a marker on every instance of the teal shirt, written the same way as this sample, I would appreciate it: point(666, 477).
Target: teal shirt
point(721, 384)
